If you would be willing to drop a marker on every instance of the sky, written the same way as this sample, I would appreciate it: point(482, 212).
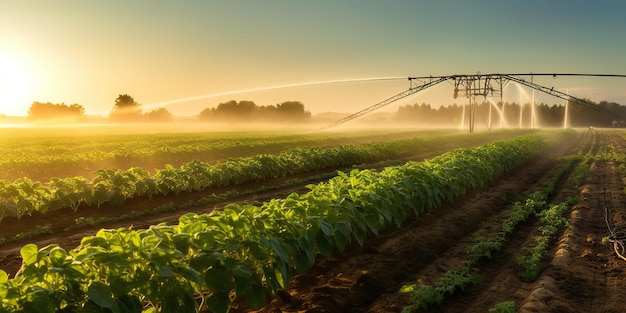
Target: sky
point(190, 55)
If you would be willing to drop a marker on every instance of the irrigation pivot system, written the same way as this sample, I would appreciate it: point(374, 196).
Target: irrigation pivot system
point(484, 85)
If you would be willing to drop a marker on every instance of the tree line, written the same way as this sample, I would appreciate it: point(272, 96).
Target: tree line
point(517, 115)
point(246, 111)
point(126, 109)
point(40, 110)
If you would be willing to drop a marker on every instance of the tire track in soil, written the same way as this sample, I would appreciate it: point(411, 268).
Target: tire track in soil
point(368, 279)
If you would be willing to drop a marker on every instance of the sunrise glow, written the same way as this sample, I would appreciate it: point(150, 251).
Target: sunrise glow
point(15, 84)
point(185, 58)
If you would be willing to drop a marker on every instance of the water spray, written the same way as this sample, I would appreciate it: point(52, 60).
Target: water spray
point(484, 85)
point(228, 93)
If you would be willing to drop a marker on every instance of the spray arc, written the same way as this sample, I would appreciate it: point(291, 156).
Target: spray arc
point(266, 88)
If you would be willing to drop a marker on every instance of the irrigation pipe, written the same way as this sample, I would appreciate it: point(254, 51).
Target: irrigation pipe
point(617, 237)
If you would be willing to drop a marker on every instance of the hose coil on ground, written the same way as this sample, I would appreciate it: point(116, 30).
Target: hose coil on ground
point(617, 237)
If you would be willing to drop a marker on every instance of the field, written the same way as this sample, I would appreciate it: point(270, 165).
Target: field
point(505, 220)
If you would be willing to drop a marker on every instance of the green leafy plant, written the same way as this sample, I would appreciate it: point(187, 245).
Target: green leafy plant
point(503, 307)
point(246, 251)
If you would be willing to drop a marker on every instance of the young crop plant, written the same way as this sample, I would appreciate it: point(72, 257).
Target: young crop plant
point(580, 172)
point(552, 222)
point(503, 307)
point(530, 263)
point(424, 296)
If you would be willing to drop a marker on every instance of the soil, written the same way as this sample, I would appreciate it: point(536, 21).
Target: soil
point(579, 274)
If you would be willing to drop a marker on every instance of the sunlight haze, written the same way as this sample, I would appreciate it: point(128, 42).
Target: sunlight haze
point(191, 55)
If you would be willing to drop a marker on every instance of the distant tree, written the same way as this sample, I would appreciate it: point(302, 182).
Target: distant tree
point(48, 111)
point(206, 114)
point(286, 112)
point(292, 111)
point(159, 115)
point(579, 115)
point(231, 111)
point(246, 108)
point(126, 109)
point(125, 102)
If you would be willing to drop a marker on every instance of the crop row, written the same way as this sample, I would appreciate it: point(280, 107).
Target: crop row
point(423, 296)
point(45, 157)
point(41, 160)
point(74, 145)
point(49, 150)
point(114, 187)
point(68, 149)
point(552, 221)
point(81, 222)
point(244, 251)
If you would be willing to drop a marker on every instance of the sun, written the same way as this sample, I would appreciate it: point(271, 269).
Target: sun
point(15, 85)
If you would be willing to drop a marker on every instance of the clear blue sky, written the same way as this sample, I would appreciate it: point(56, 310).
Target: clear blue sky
point(89, 52)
